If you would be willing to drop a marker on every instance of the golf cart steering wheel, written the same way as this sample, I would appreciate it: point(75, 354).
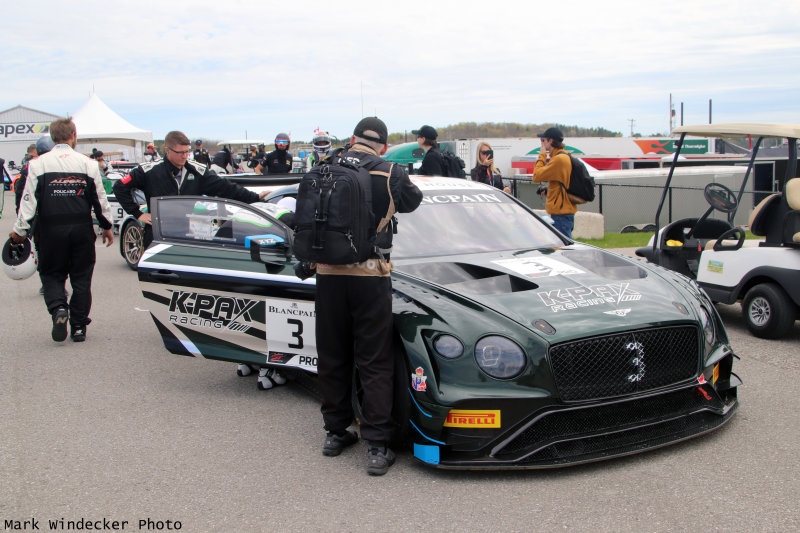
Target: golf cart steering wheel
point(720, 197)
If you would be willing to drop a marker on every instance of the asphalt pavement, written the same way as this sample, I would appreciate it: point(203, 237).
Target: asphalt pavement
point(117, 429)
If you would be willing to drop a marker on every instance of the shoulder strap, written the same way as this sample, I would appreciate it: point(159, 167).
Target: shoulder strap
point(391, 210)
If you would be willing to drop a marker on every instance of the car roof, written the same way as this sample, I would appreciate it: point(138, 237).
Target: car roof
point(739, 129)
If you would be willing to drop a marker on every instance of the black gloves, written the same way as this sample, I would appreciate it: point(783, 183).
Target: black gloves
point(304, 270)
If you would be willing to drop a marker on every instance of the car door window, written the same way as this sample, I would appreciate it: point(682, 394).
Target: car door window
point(212, 220)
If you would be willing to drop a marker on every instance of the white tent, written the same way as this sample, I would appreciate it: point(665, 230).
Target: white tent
point(100, 127)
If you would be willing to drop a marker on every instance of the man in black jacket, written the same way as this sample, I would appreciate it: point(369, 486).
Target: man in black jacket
point(173, 176)
point(201, 154)
point(433, 162)
point(354, 314)
point(279, 161)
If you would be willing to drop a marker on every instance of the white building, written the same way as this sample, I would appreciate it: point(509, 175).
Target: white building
point(19, 128)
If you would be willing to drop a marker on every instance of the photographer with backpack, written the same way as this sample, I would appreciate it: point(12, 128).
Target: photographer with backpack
point(556, 172)
point(354, 301)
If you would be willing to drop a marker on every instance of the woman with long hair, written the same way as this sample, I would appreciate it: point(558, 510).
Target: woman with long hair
point(485, 171)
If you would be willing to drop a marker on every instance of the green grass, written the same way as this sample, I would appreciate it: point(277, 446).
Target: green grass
point(620, 240)
point(630, 240)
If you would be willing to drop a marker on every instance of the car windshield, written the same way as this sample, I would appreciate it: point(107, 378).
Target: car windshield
point(466, 221)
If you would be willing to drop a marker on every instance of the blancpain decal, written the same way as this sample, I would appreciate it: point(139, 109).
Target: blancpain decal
point(462, 199)
point(293, 309)
point(211, 311)
point(576, 297)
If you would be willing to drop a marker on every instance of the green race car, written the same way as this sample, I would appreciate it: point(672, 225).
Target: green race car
point(516, 347)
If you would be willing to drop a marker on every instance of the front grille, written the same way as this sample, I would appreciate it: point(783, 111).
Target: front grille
point(624, 363)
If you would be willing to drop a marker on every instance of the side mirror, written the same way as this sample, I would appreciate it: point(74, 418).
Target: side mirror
point(276, 248)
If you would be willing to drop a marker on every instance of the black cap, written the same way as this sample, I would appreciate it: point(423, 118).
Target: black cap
point(426, 131)
point(198, 142)
point(552, 133)
point(372, 129)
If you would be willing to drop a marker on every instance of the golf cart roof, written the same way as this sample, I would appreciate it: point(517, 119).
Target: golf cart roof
point(243, 142)
point(739, 129)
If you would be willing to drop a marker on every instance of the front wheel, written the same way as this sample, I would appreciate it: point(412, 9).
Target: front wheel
point(131, 244)
point(768, 311)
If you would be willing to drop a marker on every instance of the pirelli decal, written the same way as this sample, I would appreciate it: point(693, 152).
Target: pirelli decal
point(463, 418)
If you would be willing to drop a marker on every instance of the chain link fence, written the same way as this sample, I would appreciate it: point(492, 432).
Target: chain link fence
point(632, 207)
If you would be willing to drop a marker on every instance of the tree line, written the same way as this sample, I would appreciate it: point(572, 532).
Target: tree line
point(472, 130)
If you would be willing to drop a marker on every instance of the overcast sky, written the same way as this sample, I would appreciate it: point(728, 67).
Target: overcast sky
point(236, 68)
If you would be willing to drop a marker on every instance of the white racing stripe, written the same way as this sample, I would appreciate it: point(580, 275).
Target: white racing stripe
point(225, 272)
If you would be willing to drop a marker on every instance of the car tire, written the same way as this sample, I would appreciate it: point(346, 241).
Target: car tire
point(131, 244)
point(768, 311)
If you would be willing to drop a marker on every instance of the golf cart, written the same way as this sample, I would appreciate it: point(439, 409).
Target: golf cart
point(762, 275)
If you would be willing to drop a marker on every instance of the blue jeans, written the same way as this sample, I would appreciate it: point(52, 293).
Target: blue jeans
point(564, 223)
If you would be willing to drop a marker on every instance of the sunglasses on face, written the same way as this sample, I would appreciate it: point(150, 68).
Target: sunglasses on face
point(282, 143)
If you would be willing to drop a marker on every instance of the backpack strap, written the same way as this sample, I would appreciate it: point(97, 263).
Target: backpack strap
point(391, 210)
point(564, 193)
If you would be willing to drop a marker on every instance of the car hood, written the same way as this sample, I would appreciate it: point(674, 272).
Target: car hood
point(563, 293)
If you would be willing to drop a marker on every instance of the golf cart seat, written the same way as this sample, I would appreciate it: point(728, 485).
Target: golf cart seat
point(777, 217)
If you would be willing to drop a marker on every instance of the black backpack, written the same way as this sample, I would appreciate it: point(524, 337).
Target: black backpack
point(334, 220)
point(581, 184)
point(453, 165)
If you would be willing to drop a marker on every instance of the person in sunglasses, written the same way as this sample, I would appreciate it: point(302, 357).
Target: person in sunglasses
point(172, 176)
point(279, 161)
point(485, 171)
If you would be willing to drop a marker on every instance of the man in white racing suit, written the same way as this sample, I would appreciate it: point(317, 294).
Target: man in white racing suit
point(62, 190)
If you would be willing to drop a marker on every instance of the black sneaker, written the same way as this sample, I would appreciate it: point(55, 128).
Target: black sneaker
point(379, 459)
point(78, 334)
point(335, 443)
point(60, 319)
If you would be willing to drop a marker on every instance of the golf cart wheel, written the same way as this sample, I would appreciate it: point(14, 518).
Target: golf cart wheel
point(131, 244)
point(768, 311)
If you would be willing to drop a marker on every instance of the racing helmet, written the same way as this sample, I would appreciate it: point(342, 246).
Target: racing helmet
point(44, 144)
point(321, 143)
point(19, 260)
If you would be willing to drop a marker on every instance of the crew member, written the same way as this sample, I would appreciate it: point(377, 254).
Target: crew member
point(151, 154)
point(43, 145)
point(62, 190)
point(200, 154)
point(354, 314)
point(172, 176)
point(279, 161)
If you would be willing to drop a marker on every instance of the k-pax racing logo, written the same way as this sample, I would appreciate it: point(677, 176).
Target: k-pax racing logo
point(575, 297)
point(212, 311)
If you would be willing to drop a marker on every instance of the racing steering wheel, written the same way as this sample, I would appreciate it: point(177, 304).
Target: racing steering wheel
point(720, 197)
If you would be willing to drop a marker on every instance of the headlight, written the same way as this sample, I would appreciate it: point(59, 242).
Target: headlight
point(708, 326)
point(499, 357)
point(448, 346)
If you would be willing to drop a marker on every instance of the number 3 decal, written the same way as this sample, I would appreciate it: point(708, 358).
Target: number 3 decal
point(297, 334)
